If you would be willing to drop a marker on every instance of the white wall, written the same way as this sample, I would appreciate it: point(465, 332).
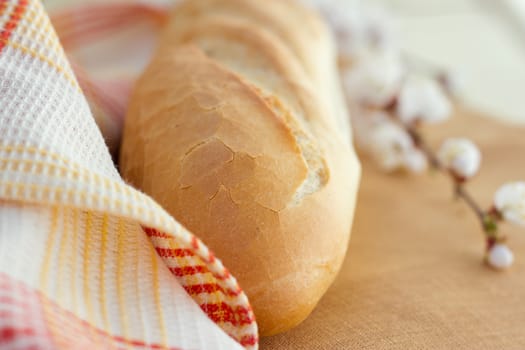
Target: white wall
point(484, 39)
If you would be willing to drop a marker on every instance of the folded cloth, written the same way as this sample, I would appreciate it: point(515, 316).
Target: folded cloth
point(86, 261)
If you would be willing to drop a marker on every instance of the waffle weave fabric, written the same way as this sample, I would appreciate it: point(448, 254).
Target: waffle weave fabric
point(86, 261)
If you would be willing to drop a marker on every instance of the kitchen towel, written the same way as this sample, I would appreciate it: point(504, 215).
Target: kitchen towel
point(86, 261)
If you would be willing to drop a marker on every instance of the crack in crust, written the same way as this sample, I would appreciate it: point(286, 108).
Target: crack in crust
point(280, 75)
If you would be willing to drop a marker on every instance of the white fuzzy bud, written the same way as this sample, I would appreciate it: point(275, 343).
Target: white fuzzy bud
point(461, 156)
point(453, 82)
point(422, 99)
point(500, 256)
point(374, 77)
point(416, 161)
point(356, 26)
point(509, 200)
point(393, 149)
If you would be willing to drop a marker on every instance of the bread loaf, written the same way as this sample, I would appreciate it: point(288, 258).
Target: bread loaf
point(238, 128)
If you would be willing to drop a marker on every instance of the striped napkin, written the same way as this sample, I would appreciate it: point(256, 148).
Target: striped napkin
point(86, 261)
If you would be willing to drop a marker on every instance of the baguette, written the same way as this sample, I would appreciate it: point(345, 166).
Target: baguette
point(239, 129)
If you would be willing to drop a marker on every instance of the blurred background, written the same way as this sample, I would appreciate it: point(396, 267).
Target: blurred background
point(482, 40)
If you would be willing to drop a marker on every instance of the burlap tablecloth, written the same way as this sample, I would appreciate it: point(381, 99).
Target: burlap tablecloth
point(414, 277)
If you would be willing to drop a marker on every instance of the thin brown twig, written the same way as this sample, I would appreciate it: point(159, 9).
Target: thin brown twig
point(461, 192)
point(420, 143)
point(459, 188)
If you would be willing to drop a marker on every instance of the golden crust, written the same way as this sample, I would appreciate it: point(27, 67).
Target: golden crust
point(226, 150)
point(208, 115)
point(300, 29)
